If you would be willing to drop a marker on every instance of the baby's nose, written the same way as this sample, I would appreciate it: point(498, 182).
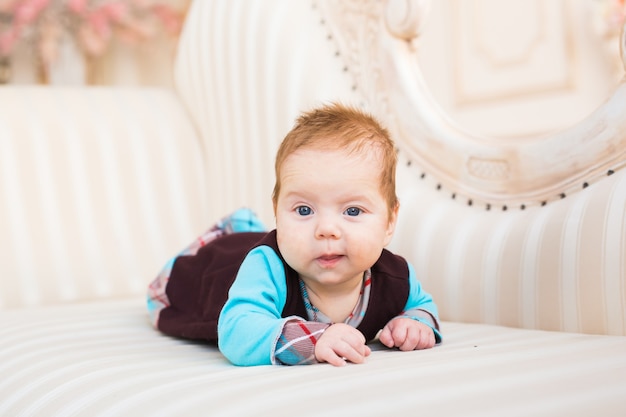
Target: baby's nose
point(327, 228)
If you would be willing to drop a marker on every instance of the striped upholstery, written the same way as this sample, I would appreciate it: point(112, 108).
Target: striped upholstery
point(557, 267)
point(104, 360)
point(246, 70)
point(97, 189)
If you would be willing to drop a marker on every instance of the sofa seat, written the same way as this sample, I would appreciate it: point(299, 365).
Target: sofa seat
point(100, 186)
point(104, 359)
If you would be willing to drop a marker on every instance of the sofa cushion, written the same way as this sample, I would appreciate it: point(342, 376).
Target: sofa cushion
point(104, 359)
point(98, 188)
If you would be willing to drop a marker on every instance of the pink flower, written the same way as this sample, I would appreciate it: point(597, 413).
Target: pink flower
point(92, 22)
point(7, 6)
point(98, 22)
point(77, 6)
point(135, 30)
point(27, 11)
point(171, 20)
point(115, 10)
point(7, 41)
point(92, 43)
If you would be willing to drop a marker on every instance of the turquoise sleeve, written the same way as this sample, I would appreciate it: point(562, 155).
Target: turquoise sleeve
point(421, 300)
point(250, 322)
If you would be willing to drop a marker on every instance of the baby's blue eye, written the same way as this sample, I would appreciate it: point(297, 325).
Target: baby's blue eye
point(304, 210)
point(353, 211)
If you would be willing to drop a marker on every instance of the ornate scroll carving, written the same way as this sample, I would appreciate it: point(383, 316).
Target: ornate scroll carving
point(488, 169)
point(376, 41)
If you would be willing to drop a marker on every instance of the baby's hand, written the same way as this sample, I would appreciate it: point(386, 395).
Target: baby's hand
point(407, 334)
point(341, 342)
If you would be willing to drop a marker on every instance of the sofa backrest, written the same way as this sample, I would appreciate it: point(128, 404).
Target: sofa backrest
point(246, 70)
point(98, 188)
point(529, 234)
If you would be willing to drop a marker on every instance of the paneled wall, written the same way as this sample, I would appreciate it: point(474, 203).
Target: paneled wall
point(517, 67)
point(503, 68)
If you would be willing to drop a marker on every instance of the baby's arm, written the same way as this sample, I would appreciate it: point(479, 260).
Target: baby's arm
point(250, 322)
point(307, 342)
point(296, 344)
point(418, 326)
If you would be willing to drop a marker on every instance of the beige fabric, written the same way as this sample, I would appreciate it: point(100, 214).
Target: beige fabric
point(104, 359)
point(557, 267)
point(246, 70)
point(98, 188)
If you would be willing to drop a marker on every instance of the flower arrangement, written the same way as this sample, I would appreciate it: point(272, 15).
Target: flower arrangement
point(91, 23)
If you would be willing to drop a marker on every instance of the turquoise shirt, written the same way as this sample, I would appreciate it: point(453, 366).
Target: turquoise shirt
point(250, 322)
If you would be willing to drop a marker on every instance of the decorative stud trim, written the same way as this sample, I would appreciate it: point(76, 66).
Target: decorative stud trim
point(478, 167)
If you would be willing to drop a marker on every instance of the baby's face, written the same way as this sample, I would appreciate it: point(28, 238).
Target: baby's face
point(332, 220)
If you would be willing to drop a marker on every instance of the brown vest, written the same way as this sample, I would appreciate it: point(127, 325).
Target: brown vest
point(198, 287)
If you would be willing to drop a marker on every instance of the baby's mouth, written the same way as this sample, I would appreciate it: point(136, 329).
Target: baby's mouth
point(329, 260)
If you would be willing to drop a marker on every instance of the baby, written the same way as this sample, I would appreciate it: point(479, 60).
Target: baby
point(319, 286)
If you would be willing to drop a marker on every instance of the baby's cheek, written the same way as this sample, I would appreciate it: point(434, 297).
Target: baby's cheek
point(291, 247)
point(365, 250)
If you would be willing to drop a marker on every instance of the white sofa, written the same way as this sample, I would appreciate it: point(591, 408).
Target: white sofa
point(523, 245)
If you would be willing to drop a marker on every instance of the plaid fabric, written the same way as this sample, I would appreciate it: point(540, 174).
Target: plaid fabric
point(241, 220)
point(296, 344)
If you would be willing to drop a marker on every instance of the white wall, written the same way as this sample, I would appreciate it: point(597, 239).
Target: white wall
point(508, 68)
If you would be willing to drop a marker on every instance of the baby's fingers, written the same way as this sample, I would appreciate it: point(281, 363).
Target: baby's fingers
point(416, 337)
point(351, 353)
point(426, 339)
point(343, 352)
point(329, 355)
point(385, 337)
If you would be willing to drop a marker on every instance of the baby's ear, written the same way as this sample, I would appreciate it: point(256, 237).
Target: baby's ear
point(391, 227)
